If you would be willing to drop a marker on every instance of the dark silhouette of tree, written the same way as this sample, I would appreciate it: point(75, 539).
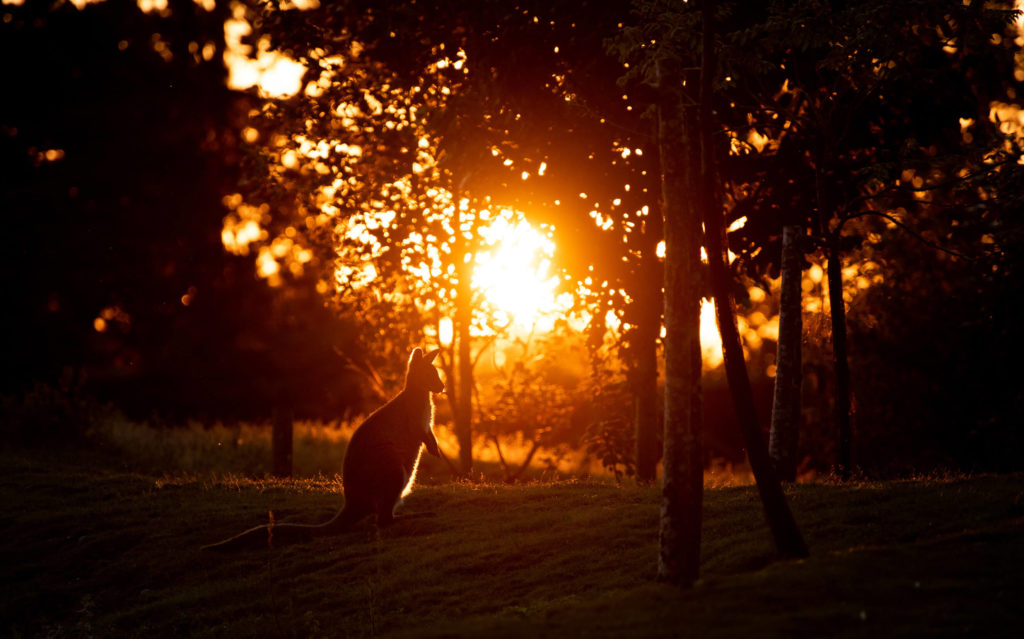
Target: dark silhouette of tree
point(360, 185)
point(845, 101)
point(119, 142)
point(785, 425)
point(788, 539)
point(553, 108)
point(683, 483)
point(87, 191)
point(529, 95)
point(677, 32)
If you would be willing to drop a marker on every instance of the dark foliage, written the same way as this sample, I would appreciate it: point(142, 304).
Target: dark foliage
point(117, 143)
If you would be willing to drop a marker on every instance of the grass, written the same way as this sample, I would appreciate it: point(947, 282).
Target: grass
point(318, 450)
point(90, 550)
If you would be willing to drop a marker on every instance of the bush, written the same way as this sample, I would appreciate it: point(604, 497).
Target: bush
point(47, 416)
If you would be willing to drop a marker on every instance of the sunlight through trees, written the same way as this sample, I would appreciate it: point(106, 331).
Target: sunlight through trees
point(628, 227)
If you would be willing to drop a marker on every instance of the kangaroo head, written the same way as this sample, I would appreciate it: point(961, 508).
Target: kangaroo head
point(421, 373)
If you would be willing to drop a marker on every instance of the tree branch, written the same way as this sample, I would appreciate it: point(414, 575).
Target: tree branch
point(501, 457)
point(888, 191)
point(912, 232)
point(526, 463)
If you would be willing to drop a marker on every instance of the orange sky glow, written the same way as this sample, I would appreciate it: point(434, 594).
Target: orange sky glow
point(513, 270)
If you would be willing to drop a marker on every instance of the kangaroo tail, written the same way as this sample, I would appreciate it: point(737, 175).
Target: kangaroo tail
point(273, 534)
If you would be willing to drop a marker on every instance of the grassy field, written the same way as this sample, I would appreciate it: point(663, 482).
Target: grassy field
point(90, 551)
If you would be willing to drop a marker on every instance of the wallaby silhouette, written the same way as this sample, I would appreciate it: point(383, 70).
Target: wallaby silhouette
point(380, 463)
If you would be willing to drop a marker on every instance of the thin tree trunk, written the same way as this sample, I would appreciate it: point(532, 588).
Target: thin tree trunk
point(463, 400)
point(785, 431)
point(501, 456)
point(645, 415)
point(683, 482)
point(788, 539)
point(645, 347)
point(281, 440)
point(514, 477)
point(840, 360)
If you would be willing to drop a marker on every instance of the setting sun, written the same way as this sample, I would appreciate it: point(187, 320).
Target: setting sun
point(514, 273)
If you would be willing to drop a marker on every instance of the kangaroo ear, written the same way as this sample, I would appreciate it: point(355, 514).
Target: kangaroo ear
point(429, 357)
point(415, 355)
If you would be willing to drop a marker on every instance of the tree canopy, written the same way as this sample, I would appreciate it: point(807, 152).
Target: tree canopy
point(392, 126)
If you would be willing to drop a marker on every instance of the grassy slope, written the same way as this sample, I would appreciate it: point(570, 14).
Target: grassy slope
point(93, 552)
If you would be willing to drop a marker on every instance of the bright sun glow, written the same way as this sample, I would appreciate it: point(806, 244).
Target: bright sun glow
point(710, 342)
point(514, 274)
point(511, 274)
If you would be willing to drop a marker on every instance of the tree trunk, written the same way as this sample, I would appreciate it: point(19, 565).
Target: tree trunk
point(645, 346)
point(683, 483)
point(281, 442)
point(464, 400)
point(462, 406)
point(784, 530)
point(645, 413)
point(785, 430)
point(840, 361)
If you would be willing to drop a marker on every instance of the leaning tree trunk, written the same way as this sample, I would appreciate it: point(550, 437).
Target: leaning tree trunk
point(683, 482)
point(645, 346)
point(785, 431)
point(784, 530)
point(840, 359)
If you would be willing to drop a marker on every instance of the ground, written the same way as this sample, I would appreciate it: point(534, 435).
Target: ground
point(90, 550)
